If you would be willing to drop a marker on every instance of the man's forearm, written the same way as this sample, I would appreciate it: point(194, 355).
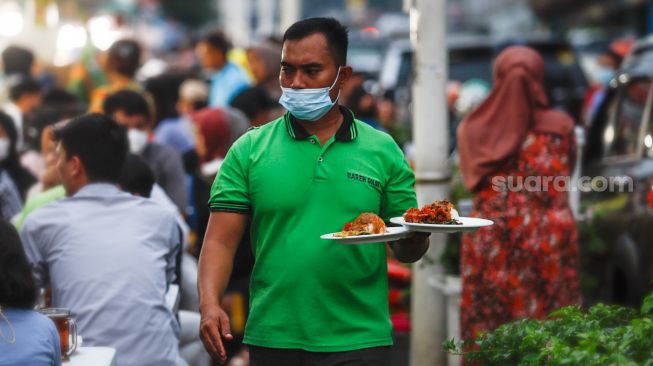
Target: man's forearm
point(215, 265)
point(410, 249)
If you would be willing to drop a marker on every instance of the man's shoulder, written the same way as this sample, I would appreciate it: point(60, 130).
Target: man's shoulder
point(53, 212)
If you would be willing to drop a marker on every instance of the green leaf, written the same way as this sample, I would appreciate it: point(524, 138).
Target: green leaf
point(647, 306)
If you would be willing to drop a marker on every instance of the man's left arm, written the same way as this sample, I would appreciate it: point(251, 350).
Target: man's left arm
point(398, 196)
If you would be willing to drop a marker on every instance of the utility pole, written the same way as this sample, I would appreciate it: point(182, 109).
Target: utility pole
point(266, 10)
point(290, 11)
point(236, 20)
point(430, 138)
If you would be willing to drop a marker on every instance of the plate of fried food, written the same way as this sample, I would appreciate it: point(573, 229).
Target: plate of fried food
point(365, 229)
point(439, 217)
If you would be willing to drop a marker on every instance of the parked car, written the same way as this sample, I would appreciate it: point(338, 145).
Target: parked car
point(617, 224)
point(471, 56)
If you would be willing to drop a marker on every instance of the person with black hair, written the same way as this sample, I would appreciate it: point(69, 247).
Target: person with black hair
point(177, 132)
point(57, 105)
point(26, 337)
point(108, 256)
point(227, 79)
point(136, 177)
point(292, 180)
point(263, 59)
point(256, 104)
point(20, 177)
point(131, 110)
point(122, 61)
point(25, 96)
point(17, 60)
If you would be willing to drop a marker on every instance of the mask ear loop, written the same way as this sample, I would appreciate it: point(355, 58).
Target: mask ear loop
point(334, 84)
point(12, 339)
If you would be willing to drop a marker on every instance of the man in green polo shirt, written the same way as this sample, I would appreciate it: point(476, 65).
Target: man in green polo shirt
point(313, 301)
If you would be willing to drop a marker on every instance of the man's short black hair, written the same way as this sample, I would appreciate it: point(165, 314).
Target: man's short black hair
point(253, 101)
point(17, 61)
point(124, 57)
point(128, 101)
point(217, 40)
point(17, 287)
point(22, 85)
point(98, 141)
point(335, 33)
point(137, 177)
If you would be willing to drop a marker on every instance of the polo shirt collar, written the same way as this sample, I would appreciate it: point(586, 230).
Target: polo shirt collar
point(347, 131)
point(97, 189)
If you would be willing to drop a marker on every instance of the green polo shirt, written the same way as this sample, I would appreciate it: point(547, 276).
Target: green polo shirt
point(308, 293)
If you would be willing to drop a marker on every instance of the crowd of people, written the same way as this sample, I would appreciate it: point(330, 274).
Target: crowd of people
point(117, 187)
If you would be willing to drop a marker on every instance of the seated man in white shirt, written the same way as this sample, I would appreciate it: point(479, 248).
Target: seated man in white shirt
point(108, 256)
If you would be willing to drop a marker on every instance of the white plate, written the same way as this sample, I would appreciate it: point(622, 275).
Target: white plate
point(392, 234)
point(469, 224)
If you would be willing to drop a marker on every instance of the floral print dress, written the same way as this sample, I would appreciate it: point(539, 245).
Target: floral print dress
point(525, 265)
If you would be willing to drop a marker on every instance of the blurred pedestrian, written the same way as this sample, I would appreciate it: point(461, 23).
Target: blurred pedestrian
point(25, 96)
point(608, 62)
point(363, 105)
point(263, 58)
point(177, 132)
point(57, 105)
point(20, 177)
point(17, 61)
point(120, 66)
point(26, 337)
point(50, 187)
point(114, 281)
point(130, 109)
point(525, 265)
point(226, 78)
point(256, 104)
point(289, 179)
point(217, 129)
point(137, 178)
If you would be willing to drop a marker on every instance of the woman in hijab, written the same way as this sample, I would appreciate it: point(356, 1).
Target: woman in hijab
point(525, 265)
point(22, 179)
point(264, 60)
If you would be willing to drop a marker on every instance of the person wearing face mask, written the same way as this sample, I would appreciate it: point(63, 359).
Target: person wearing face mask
point(608, 62)
point(294, 179)
point(10, 165)
point(130, 109)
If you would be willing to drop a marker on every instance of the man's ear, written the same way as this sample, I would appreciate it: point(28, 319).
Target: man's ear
point(345, 74)
point(77, 166)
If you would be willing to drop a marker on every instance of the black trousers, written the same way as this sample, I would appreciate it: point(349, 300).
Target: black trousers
point(261, 356)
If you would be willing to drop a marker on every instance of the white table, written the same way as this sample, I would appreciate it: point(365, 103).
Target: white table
point(92, 356)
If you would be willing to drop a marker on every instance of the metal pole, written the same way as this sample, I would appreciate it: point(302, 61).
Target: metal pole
point(430, 138)
point(236, 16)
point(266, 12)
point(290, 11)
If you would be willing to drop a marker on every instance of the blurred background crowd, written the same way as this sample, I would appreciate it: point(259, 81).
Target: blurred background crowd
point(188, 78)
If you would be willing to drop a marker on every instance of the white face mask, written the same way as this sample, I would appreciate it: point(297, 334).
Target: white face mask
point(309, 104)
point(4, 148)
point(137, 140)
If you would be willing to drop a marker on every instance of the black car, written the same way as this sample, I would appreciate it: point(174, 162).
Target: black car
point(471, 57)
point(617, 223)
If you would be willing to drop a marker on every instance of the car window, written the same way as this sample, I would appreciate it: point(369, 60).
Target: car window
point(405, 69)
point(622, 136)
point(470, 63)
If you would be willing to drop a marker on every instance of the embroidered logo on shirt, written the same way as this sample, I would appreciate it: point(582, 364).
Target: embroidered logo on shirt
point(364, 179)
